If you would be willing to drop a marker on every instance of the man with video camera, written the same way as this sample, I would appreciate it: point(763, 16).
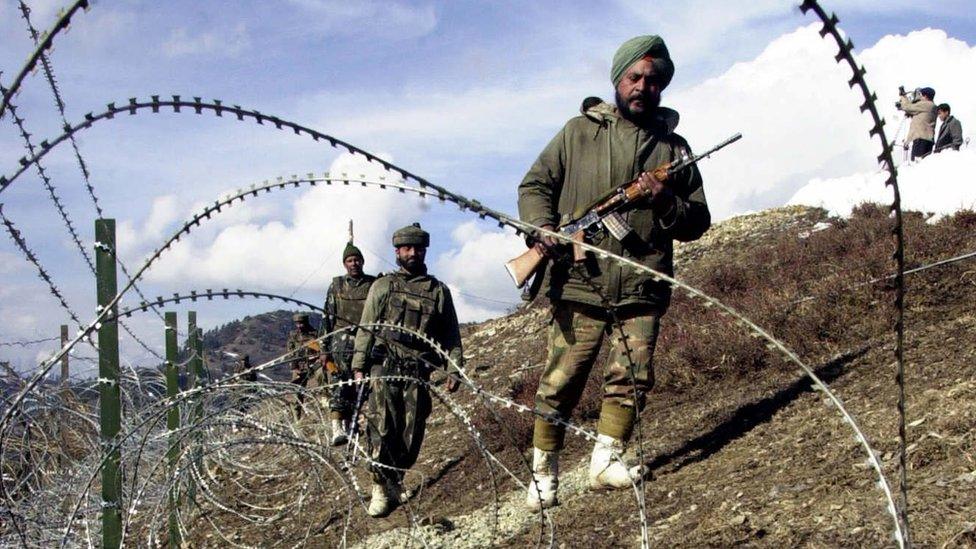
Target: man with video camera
point(919, 105)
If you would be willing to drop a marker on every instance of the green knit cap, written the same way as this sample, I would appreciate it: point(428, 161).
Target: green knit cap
point(351, 250)
point(636, 48)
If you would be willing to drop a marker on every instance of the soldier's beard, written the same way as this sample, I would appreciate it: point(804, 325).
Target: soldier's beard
point(413, 265)
point(646, 113)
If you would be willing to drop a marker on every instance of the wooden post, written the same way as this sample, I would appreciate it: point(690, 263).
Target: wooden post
point(173, 425)
point(110, 409)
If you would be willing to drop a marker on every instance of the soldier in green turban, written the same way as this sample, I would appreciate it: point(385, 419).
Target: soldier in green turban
point(597, 299)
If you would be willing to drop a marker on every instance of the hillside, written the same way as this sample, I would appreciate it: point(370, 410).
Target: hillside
point(741, 449)
point(261, 336)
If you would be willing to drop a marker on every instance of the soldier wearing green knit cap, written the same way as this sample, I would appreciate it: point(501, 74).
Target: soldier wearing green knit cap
point(596, 299)
point(343, 307)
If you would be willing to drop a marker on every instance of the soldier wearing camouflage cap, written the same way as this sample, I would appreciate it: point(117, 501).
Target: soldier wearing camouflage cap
point(303, 350)
point(606, 146)
point(344, 303)
point(398, 409)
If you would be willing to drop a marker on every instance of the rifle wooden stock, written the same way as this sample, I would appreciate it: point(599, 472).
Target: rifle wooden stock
point(579, 254)
point(522, 267)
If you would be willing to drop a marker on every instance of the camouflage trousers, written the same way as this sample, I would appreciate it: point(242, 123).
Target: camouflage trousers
point(396, 422)
point(575, 335)
point(342, 398)
point(299, 376)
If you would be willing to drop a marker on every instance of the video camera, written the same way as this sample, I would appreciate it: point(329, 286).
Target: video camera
point(912, 96)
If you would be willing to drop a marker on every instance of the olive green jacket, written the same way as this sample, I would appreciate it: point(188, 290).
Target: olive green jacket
point(420, 302)
point(590, 155)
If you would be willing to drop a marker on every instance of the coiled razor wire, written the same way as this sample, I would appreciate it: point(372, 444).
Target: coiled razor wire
point(845, 54)
point(521, 227)
point(465, 204)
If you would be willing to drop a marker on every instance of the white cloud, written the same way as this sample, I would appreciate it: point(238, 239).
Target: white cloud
point(798, 117)
point(471, 122)
point(475, 271)
point(280, 255)
point(389, 20)
point(220, 42)
point(163, 213)
point(940, 184)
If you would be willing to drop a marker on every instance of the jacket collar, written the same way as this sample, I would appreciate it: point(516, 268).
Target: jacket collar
point(604, 113)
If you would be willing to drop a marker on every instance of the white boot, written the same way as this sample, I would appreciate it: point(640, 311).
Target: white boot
point(545, 480)
point(607, 469)
point(338, 432)
point(379, 503)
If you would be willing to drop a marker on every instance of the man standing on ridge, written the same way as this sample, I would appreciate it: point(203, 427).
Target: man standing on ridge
point(605, 147)
point(398, 409)
point(950, 132)
point(343, 308)
point(921, 131)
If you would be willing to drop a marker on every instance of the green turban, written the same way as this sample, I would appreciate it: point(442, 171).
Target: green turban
point(636, 48)
point(351, 250)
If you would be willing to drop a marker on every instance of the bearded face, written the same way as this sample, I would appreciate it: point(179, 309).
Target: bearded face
point(411, 258)
point(639, 91)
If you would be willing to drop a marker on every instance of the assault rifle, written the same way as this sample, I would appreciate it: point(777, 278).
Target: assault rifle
point(603, 213)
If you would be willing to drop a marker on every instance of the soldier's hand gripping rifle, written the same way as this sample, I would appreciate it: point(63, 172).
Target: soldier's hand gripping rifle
point(604, 213)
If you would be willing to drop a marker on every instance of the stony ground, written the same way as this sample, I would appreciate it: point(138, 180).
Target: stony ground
point(739, 456)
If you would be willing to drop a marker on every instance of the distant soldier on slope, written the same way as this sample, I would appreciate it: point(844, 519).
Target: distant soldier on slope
point(593, 298)
point(304, 352)
point(344, 304)
point(398, 409)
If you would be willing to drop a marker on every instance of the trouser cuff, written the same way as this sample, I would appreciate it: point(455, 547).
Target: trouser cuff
point(616, 421)
point(547, 436)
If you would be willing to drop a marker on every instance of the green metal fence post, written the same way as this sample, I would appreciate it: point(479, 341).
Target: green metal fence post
point(110, 409)
point(173, 425)
point(191, 383)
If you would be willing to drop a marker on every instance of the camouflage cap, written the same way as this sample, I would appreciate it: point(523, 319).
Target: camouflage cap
point(300, 317)
point(411, 235)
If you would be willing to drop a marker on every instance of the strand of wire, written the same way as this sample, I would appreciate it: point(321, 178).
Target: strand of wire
point(65, 219)
point(428, 188)
point(846, 54)
point(46, 41)
point(59, 102)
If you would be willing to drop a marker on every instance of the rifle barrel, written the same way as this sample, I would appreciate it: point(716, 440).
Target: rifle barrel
point(693, 159)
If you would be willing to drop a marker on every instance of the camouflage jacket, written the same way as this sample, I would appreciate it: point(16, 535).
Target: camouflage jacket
point(344, 302)
point(592, 154)
point(306, 356)
point(420, 302)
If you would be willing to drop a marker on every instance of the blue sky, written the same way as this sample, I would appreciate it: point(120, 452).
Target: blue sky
point(463, 93)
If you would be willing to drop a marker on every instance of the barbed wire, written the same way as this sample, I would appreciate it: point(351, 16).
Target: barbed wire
point(46, 41)
point(443, 194)
point(845, 54)
point(18, 239)
point(28, 343)
point(59, 102)
point(465, 204)
point(65, 219)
